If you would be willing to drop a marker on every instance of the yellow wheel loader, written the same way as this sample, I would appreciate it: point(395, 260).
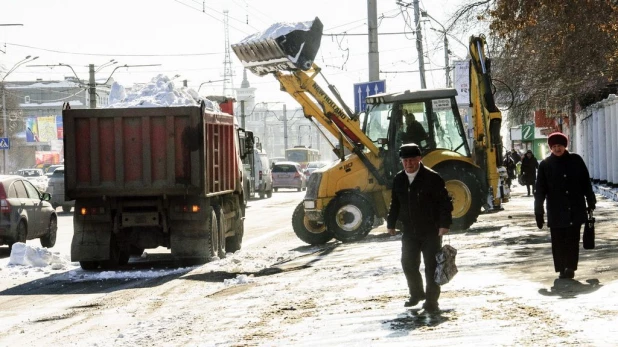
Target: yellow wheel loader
point(351, 196)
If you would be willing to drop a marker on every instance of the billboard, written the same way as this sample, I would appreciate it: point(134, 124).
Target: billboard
point(44, 129)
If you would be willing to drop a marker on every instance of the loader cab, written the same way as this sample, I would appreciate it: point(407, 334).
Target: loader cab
point(429, 118)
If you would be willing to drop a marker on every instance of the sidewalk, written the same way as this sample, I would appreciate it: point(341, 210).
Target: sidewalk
point(505, 294)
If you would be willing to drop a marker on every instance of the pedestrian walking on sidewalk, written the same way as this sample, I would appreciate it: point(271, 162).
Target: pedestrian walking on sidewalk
point(529, 164)
point(564, 182)
point(420, 201)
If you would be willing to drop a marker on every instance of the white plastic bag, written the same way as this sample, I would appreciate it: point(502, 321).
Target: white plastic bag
point(446, 269)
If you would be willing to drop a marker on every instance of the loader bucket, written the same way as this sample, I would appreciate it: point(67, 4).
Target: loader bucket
point(283, 46)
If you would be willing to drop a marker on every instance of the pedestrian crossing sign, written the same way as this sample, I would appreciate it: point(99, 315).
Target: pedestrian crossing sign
point(4, 143)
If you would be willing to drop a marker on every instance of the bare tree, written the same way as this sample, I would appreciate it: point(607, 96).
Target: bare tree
point(553, 54)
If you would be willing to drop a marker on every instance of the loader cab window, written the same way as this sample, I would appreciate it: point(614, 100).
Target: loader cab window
point(447, 129)
point(414, 125)
point(376, 122)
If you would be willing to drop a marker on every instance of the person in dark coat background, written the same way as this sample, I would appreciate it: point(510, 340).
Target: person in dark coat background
point(515, 156)
point(421, 202)
point(529, 164)
point(564, 181)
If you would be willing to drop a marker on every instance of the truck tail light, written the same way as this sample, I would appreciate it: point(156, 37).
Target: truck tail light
point(260, 174)
point(84, 211)
point(187, 208)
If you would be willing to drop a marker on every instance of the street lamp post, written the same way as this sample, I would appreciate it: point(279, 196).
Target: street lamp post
point(4, 125)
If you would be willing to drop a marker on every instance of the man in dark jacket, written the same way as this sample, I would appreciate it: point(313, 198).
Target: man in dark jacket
point(564, 181)
point(421, 202)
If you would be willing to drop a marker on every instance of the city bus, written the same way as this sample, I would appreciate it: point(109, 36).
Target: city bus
point(302, 155)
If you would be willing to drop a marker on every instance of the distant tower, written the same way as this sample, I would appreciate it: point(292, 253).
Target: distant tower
point(228, 73)
point(245, 93)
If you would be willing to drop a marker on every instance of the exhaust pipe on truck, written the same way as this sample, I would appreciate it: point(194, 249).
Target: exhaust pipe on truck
point(283, 46)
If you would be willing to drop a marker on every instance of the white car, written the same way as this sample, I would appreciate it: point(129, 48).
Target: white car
point(36, 177)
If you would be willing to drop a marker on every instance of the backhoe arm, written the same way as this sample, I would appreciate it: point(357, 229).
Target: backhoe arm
point(487, 117)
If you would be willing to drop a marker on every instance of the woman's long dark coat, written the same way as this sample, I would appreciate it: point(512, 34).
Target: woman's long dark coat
point(565, 182)
point(528, 169)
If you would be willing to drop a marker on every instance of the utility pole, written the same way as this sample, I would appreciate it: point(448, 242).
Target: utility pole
point(419, 44)
point(446, 51)
point(242, 114)
point(374, 54)
point(285, 127)
point(92, 88)
point(446, 63)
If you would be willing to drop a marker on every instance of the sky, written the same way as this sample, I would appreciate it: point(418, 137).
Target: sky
point(186, 40)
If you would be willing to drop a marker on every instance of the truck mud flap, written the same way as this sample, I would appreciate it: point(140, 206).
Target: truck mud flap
point(92, 242)
point(188, 240)
point(283, 46)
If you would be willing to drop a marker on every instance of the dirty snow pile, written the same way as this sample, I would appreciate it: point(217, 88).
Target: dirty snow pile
point(159, 92)
point(35, 262)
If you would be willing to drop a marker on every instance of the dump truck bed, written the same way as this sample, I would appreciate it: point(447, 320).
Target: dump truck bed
point(148, 152)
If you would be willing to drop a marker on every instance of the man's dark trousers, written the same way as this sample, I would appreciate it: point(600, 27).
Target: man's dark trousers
point(412, 245)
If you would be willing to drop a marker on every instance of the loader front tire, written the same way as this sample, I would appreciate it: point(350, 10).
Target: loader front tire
point(308, 231)
point(349, 216)
point(465, 189)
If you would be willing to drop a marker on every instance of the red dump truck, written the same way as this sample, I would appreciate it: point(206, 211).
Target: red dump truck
point(149, 177)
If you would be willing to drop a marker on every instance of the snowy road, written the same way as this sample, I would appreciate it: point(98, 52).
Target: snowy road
point(279, 292)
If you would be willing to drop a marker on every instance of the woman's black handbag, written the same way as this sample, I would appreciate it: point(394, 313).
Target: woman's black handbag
point(520, 180)
point(589, 232)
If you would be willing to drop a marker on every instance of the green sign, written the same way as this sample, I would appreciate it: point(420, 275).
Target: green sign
point(527, 132)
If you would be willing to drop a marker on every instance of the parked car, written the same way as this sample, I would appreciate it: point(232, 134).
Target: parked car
point(275, 160)
point(261, 177)
point(56, 189)
point(50, 169)
point(25, 213)
point(314, 165)
point(288, 174)
point(36, 176)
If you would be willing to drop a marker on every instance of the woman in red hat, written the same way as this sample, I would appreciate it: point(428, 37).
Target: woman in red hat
point(563, 180)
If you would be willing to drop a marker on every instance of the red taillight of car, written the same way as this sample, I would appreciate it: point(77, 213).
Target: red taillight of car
point(5, 208)
point(297, 175)
point(260, 174)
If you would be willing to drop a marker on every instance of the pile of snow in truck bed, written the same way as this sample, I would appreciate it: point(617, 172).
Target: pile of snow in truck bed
point(159, 92)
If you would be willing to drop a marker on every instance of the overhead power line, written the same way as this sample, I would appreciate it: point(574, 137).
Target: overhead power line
point(114, 54)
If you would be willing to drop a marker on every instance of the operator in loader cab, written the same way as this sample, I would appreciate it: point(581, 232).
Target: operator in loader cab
point(419, 200)
point(415, 133)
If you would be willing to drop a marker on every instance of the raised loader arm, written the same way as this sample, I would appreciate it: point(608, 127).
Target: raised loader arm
point(287, 51)
point(487, 117)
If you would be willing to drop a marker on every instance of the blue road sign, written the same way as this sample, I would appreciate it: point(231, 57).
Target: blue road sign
point(363, 90)
point(5, 143)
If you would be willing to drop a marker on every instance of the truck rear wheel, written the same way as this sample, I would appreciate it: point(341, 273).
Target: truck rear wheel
point(466, 191)
point(308, 231)
point(349, 216)
point(234, 243)
point(117, 255)
point(89, 265)
point(212, 233)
